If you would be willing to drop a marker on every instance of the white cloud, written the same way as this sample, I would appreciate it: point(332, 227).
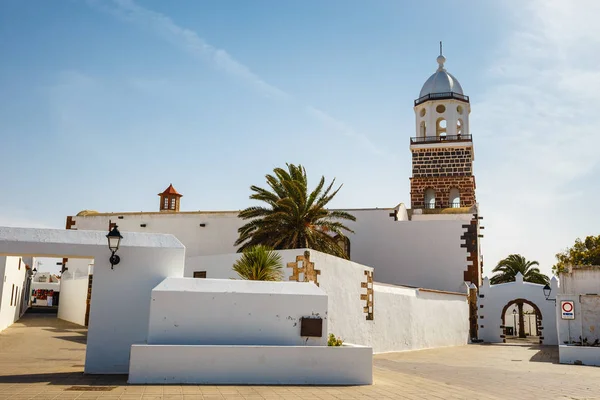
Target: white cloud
point(540, 130)
point(189, 40)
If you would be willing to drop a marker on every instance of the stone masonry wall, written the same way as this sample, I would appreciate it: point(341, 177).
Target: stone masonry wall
point(431, 162)
point(442, 186)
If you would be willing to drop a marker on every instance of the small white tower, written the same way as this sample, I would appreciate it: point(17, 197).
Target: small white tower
point(442, 110)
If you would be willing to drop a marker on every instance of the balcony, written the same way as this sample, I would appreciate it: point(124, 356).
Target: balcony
point(442, 96)
point(441, 139)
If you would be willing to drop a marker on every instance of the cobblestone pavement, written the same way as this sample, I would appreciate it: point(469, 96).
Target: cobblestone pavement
point(42, 358)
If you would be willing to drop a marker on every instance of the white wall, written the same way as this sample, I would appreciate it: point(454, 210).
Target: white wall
point(119, 305)
point(410, 319)
point(404, 318)
point(416, 253)
point(13, 289)
point(582, 286)
point(72, 304)
point(234, 312)
point(493, 299)
point(277, 365)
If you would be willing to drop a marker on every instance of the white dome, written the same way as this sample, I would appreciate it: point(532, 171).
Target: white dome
point(441, 81)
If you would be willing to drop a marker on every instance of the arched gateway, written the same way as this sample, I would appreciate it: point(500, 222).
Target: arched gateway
point(499, 303)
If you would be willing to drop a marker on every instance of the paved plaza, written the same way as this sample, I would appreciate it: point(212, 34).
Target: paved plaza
point(42, 357)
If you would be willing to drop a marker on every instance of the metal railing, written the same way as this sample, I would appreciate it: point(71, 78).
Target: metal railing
point(442, 96)
point(445, 138)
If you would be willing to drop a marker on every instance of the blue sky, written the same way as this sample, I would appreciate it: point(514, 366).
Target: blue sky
point(104, 103)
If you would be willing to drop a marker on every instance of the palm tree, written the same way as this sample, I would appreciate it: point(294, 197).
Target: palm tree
point(259, 263)
point(294, 218)
point(507, 272)
point(515, 263)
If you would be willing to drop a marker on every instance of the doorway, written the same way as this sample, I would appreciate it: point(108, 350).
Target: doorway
point(522, 322)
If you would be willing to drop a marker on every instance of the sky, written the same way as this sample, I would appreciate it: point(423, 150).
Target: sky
point(103, 104)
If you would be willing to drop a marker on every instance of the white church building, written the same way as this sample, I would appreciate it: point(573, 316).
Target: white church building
point(412, 280)
point(434, 244)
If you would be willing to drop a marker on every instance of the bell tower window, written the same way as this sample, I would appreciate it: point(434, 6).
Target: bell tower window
point(423, 129)
point(170, 199)
point(430, 198)
point(440, 129)
point(454, 198)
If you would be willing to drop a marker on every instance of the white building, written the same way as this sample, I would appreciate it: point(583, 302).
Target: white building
point(14, 290)
point(435, 244)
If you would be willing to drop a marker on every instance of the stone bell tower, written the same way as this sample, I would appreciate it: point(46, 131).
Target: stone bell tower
point(442, 148)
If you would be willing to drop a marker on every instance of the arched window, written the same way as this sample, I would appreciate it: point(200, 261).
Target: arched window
point(430, 198)
point(440, 129)
point(459, 127)
point(423, 129)
point(344, 243)
point(454, 198)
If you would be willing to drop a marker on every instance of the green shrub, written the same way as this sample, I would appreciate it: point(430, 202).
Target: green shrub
point(333, 341)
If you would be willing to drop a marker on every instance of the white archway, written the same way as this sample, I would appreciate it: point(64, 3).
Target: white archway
point(495, 300)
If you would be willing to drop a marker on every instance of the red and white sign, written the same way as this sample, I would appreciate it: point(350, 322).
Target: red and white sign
point(567, 309)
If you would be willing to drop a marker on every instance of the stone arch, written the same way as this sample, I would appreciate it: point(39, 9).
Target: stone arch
point(539, 326)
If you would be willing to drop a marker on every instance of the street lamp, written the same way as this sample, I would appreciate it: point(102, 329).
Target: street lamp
point(547, 290)
point(514, 322)
point(114, 239)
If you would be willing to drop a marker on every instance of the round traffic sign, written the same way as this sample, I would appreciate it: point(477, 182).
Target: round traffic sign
point(567, 307)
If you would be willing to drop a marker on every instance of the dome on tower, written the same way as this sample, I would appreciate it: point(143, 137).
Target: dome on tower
point(441, 81)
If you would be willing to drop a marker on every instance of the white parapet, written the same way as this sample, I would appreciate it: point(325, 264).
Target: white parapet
point(581, 355)
point(188, 311)
point(255, 365)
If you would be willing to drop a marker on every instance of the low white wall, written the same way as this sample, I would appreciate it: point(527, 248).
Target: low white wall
point(254, 365)
point(581, 355)
point(233, 312)
point(409, 319)
point(14, 283)
point(404, 318)
point(493, 298)
point(72, 304)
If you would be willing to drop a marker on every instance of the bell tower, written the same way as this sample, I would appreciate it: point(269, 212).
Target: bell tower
point(442, 148)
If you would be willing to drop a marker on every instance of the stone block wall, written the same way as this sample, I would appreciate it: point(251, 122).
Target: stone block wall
point(440, 161)
point(442, 186)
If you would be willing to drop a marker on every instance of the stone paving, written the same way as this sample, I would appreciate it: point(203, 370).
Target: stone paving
point(42, 357)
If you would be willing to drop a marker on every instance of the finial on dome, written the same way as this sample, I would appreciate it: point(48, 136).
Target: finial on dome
point(441, 59)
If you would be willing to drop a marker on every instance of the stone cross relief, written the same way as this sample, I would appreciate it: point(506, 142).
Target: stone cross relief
point(307, 269)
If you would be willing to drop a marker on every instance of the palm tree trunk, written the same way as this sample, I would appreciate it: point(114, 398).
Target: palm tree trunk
point(521, 321)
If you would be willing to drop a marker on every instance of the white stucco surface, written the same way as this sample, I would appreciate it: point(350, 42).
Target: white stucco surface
point(582, 355)
point(404, 318)
point(257, 365)
point(410, 319)
point(46, 286)
point(581, 285)
point(73, 295)
point(13, 289)
point(234, 312)
point(120, 297)
point(416, 253)
point(493, 299)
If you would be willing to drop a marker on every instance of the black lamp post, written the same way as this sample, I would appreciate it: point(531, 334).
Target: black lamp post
point(514, 321)
point(114, 239)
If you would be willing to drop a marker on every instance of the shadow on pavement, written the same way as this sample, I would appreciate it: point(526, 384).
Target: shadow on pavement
point(67, 378)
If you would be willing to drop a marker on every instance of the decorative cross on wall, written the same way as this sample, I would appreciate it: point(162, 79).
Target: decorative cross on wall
point(308, 269)
point(368, 297)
